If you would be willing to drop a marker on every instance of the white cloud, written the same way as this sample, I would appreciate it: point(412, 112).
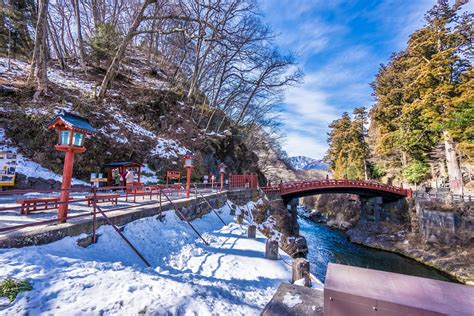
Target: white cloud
point(298, 145)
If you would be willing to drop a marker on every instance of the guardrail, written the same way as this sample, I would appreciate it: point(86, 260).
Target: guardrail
point(443, 196)
point(85, 200)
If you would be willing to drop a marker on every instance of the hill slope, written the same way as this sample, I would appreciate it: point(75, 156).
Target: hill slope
point(144, 118)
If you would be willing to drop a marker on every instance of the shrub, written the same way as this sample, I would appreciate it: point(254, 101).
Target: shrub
point(11, 287)
point(416, 172)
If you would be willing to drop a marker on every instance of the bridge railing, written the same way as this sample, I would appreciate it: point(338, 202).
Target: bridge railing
point(294, 186)
point(443, 196)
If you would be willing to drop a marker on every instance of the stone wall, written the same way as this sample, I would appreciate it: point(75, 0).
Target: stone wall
point(446, 223)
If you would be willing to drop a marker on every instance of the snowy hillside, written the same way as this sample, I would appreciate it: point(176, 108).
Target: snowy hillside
point(307, 163)
point(142, 119)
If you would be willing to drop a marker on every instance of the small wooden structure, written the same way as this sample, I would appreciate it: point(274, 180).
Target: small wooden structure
point(122, 167)
point(172, 175)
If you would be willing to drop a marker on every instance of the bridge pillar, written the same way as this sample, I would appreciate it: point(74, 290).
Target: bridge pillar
point(371, 208)
point(294, 216)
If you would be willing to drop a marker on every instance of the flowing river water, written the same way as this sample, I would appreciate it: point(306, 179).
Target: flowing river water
point(329, 245)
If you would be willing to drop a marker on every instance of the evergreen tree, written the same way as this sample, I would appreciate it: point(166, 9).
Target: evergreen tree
point(348, 151)
point(424, 93)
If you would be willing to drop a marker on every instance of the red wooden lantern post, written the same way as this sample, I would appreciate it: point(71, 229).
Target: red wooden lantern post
point(222, 168)
point(188, 165)
point(72, 130)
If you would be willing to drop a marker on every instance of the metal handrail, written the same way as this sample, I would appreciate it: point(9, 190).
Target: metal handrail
point(184, 218)
point(210, 206)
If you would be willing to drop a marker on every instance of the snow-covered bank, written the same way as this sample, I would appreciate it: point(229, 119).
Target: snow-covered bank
point(28, 167)
point(230, 276)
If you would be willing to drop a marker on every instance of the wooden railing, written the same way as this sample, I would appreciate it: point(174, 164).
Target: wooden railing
point(301, 186)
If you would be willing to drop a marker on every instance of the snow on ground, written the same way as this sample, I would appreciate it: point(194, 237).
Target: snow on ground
point(228, 277)
point(17, 68)
point(168, 148)
point(28, 167)
point(148, 175)
point(68, 81)
point(132, 127)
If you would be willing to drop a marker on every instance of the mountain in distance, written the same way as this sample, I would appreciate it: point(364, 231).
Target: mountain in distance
point(307, 163)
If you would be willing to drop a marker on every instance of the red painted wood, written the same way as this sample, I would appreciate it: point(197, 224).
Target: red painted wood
point(304, 186)
point(65, 186)
point(188, 181)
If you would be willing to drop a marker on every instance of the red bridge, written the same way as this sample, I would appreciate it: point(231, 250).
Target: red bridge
point(290, 190)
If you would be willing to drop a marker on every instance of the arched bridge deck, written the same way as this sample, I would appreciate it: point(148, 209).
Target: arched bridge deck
point(289, 190)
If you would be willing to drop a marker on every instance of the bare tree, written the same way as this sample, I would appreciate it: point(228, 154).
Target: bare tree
point(82, 53)
point(38, 73)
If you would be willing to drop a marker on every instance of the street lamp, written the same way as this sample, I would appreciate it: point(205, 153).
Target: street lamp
point(188, 165)
point(72, 131)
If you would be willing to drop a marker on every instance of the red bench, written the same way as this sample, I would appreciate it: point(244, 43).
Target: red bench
point(103, 198)
point(141, 191)
point(38, 204)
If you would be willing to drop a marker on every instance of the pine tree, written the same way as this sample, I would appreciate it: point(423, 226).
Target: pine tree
point(424, 93)
point(348, 150)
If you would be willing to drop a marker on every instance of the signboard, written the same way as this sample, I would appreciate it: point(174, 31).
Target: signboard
point(7, 168)
point(172, 175)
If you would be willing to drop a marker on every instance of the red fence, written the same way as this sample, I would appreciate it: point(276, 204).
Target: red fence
point(302, 186)
point(243, 181)
point(84, 204)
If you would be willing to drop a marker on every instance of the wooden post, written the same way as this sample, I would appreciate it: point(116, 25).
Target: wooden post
point(300, 270)
point(94, 226)
point(251, 231)
point(271, 249)
point(222, 181)
point(188, 181)
point(65, 186)
point(161, 208)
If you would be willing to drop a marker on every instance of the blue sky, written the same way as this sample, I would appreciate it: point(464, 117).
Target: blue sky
point(340, 45)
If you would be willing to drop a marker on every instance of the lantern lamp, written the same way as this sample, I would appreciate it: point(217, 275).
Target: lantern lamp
point(222, 168)
point(188, 164)
point(72, 130)
point(188, 161)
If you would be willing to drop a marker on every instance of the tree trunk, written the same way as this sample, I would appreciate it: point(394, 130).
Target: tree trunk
point(114, 65)
point(82, 53)
point(452, 164)
point(56, 47)
point(38, 73)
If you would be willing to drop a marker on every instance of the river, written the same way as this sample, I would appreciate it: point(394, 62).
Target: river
point(329, 245)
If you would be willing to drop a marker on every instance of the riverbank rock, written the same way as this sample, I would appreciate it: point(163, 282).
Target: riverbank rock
point(341, 211)
point(456, 260)
point(274, 221)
